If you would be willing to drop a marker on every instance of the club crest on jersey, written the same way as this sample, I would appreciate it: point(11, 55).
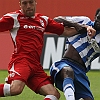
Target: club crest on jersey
point(0, 18)
point(12, 75)
point(41, 22)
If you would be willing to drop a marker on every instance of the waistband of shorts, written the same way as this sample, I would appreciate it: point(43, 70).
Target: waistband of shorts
point(75, 62)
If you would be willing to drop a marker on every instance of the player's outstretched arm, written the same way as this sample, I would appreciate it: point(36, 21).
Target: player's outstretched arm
point(72, 28)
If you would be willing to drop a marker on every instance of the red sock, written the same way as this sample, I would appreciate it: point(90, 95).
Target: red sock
point(47, 99)
point(50, 97)
point(1, 90)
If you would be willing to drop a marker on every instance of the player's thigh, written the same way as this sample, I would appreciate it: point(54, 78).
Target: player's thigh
point(36, 81)
point(18, 70)
point(41, 83)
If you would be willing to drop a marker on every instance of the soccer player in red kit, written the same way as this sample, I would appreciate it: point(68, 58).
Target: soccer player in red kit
point(27, 30)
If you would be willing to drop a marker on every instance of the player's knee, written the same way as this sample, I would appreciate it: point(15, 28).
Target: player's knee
point(16, 90)
point(67, 72)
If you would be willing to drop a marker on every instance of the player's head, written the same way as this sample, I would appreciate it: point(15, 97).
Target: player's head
point(97, 11)
point(97, 19)
point(28, 7)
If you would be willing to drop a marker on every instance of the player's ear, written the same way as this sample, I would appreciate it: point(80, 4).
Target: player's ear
point(19, 4)
point(35, 2)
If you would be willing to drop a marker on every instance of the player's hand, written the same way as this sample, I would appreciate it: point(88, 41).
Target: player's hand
point(91, 31)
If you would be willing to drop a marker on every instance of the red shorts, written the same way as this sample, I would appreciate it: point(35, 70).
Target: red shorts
point(31, 73)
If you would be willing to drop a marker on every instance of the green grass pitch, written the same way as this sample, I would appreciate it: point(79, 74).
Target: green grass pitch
point(27, 94)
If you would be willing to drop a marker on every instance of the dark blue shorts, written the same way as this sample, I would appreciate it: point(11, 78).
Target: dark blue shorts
point(81, 82)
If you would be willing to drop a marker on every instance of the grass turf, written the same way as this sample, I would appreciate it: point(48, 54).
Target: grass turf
point(27, 94)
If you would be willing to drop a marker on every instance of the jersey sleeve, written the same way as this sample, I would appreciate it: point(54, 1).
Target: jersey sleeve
point(79, 19)
point(54, 27)
point(6, 23)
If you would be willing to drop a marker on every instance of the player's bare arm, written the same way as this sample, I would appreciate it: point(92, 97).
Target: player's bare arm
point(72, 28)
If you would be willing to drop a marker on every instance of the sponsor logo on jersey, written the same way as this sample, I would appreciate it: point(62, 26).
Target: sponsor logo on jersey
point(24, 17)
point(34, 27)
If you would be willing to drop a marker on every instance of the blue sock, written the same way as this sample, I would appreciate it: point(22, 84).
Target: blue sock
point(68, 89)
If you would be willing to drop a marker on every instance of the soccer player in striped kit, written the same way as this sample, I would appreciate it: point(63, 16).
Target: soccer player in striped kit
point(27, 30)
point(69, 73)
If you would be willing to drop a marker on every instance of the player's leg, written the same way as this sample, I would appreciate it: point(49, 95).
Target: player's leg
point(63, 76)
point(16, 79)
point(82, 85)
point(44, 87)
point(50, 92)
point(12, 89)
point(16, 87)
point(42, 84)
point(88, 98)
point(67, 75)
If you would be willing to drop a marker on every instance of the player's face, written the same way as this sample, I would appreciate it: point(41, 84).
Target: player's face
point(97, 21)
point(28, 7)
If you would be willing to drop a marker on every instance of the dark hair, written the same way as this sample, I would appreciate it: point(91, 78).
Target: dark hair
point(97, 11)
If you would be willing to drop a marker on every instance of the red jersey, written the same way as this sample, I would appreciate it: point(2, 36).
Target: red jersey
point(27, 33)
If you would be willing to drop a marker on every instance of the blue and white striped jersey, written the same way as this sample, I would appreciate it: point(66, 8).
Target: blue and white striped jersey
point(88, 50)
